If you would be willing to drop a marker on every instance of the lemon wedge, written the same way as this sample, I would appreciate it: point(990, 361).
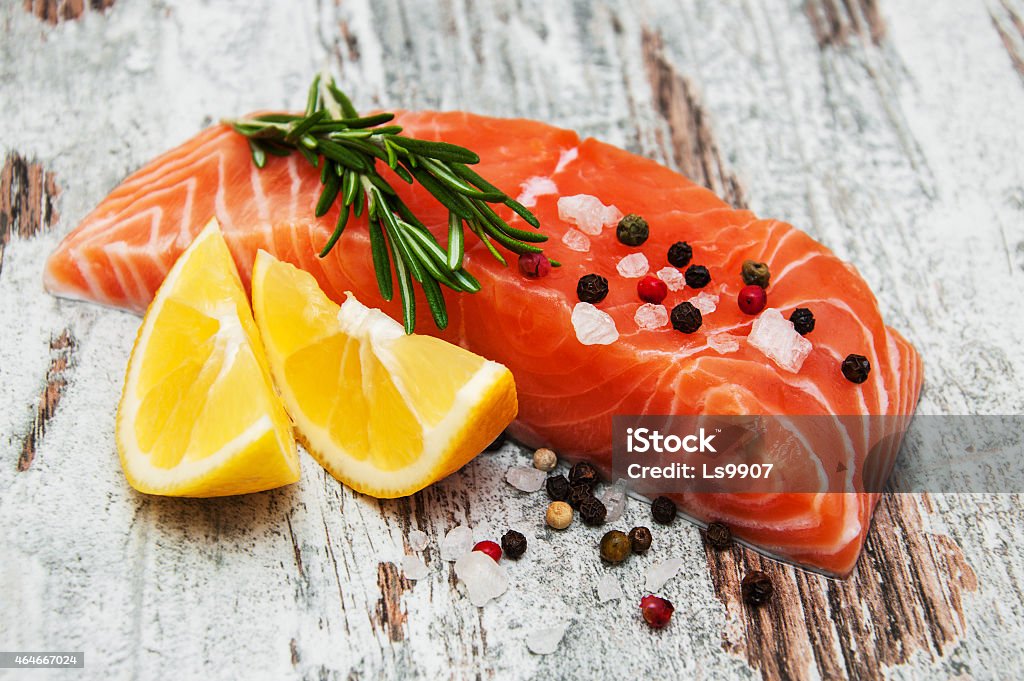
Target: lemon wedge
point(198, 416)
point(384, 412)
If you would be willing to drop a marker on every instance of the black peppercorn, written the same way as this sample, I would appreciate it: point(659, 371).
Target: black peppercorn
point(697, 276)
point(757, 588)
point(592, 511)
point(513, 544)
point(578, 494)
point(584, 473)
point(557, 487)
point(664, 510)
point(498, 443)
point(632, 230)
point(856, 368)
point(679, 254)
point(719, 536)
point(615, 546)
point(803, 320)
point(686, 317)
point(592, 288)
point(755, 273)
point(640, 539)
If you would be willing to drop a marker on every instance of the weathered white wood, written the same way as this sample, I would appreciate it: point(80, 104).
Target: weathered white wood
point(905, 158)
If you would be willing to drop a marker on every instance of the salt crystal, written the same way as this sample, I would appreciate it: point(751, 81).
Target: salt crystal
point(609, 588)
point(534, 187)
point(705, 302)
point(633, 265)
point(659, 573)
point(724, 343)
point(593, 326)
point(673, 278)
point(457, 543)
point(526, 478)
point(576, 241)
point(614, 500)
point(417, 540)
point(545, 641)
point(484, 578)
point(775, 336)
point(651, 316)
point(587, 212)
point(414, 568)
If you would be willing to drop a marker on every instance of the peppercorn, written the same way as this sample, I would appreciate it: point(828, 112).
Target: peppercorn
point(615, 546)
point(592, 288)
point(557, 487)
point(559, 515)
point(856, 368)
point(544, 459)
point(498, 443)
point(513, 544)
point(686, 317)
point(656, 611)
point(585, 473)
point(652, 290)
point(755, 273)
point(752, 299)
point(578, 494)
point(719, 536)
point(490, 548)
point(680, 254)
point(632, 230)
point(534, 265)
point(592, 511)
point(803, 320)
point(757, 588)
point(640, 539)
point(697, 276)
point(664, 510)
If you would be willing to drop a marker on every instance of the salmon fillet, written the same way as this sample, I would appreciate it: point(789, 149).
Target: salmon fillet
point(568, 391)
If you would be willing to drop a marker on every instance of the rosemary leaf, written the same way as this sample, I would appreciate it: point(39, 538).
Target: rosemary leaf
point(456, 243)
point(381, 262)
point(338, 229)
point(259, 154)
point(328, 195)
point(439, 150)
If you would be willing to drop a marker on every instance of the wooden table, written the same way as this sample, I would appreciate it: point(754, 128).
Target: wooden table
point(889, 130)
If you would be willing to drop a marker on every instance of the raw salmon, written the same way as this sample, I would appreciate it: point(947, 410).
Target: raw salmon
point(568, 391)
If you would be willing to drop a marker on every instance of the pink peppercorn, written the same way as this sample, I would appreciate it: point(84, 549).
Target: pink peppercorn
point(752, 299)
point(656, 610)
point(534, 265)
point(490, 548)
point(651, 290)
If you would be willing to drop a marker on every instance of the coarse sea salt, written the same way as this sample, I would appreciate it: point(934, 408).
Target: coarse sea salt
point(633, 265)
point(587, 212)
point(593, 326)
point(545, 641)
point(775, 336)
point(724, 343)
point(484, 578)
point(457, 543)
point(609, 588)
point(658, 574)
point(414, 568)
point(673, 278)
point(576, 240)
point(614, 500)
point(525, 478)
point(705, 302)
point(417, 540)
point(651, 316)
point(535, 186)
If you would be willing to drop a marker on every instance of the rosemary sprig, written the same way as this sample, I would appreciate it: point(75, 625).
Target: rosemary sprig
point(346, 148)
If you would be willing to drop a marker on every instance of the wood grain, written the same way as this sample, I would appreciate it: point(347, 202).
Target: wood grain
point(55, 11)
point(839, 22)
point(1010, 26)
point(62, 355)
point(28, 200)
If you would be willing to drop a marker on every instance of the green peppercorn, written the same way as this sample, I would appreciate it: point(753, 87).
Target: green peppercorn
point(557, 487)
point(719, 536)
point(592, 288)
point(856, 368)
point(686, 317)
point(697, 276)
point(803, 320)
point(615, 546)
point(592, 511)
point(584, 472)
point(632, 230)
point(755, 273)
point(640, 539)
point(663, 510)
point(513, 544)
point(679, 254)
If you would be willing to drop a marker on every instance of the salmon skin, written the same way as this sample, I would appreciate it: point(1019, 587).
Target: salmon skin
point(568, 391)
